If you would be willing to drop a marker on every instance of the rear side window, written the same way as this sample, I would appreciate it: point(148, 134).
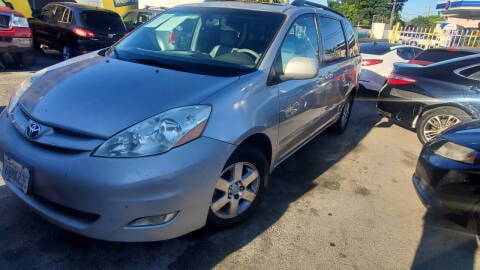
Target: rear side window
point(375, 48)
point(105, 22)
point(406, 53)
point(334, 45)
point(353, 49)
point(440, 55)
point(471, 73)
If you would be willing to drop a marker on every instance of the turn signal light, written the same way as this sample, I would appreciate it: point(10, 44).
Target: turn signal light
point(83, 32)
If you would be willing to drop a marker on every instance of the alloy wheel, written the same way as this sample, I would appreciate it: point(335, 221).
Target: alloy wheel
point(438, 124)
point(236, 190)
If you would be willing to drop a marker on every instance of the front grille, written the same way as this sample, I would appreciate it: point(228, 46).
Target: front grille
point(5, 21)
point(79, 216)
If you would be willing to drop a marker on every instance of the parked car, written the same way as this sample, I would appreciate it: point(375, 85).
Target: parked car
point(435, 55)
point(15, 36)
point(378, 59)
point(136, 17)
point(430, 99)
point(448, 169)
point(167, 131)
point(75, 28)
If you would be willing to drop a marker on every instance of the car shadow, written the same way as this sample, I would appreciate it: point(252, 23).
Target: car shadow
point(453, 241)
point(31, 242)
point(43, 60)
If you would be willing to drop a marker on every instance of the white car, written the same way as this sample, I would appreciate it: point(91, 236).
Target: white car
point(378, 59)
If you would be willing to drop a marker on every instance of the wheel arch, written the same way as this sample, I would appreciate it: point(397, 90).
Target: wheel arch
point(422, 109)
point(261, 142)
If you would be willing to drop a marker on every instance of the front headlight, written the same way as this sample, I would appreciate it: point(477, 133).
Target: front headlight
point(24, 87)
point(157, 134)
point(456, 152)
point(14, 99)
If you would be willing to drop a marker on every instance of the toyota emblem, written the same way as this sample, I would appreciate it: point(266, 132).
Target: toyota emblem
point(33, 130)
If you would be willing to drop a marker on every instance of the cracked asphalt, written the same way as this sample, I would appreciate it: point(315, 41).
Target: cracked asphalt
point(341, 202)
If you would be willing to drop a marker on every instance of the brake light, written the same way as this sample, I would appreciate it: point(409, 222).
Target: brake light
point(398, 79)
point(171, 38)
point(371, 62)
point(83, 32)
point(420, 62)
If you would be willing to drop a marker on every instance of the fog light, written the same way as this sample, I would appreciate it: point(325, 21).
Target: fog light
point(153, 220)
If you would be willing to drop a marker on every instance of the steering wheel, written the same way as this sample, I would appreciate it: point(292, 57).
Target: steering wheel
point(252, 53)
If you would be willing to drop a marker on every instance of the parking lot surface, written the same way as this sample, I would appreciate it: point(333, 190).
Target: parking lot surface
point(341, 202)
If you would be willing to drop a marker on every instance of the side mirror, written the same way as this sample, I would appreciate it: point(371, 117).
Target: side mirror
point(300, 68)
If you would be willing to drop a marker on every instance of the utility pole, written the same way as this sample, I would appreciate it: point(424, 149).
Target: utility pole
point(392, 15)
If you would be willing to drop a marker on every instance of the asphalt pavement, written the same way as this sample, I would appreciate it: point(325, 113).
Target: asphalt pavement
point(342, 202)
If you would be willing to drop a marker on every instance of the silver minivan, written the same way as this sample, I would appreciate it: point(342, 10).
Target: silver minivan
point(179, 124)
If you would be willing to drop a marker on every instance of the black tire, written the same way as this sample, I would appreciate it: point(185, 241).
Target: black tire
point(67, 52)
point(341, 124)
point(244, 156)
point(25, 59)
point(445, 117)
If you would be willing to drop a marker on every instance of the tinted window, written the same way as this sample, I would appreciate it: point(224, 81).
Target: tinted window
point(353, 49)
point(375, 48)
point(58, 14)
point(472, 73)
point(406, 53)
point(47, 13)
point(334, 45)
point(301, 40)
point(105, 22)
point(440, 55)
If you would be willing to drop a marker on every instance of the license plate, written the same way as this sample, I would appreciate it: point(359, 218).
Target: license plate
point(16, 174)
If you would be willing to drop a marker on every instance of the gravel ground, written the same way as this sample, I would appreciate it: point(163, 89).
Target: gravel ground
point(341, 202)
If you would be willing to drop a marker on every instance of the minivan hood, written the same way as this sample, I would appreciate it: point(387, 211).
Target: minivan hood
point(99, 96)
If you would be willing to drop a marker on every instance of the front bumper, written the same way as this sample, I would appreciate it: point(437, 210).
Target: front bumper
point(98, 197)
point(446, 185)
point(14, 45)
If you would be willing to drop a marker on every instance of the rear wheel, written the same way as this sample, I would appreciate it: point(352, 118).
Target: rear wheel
point(341, 124)
point(238, 188)
point(67, 52)
point(433, 122)
point(25, 59)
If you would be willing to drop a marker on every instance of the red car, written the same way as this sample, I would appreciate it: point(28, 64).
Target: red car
point(16, 40)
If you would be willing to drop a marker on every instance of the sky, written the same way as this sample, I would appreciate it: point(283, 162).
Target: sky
point(414, 8)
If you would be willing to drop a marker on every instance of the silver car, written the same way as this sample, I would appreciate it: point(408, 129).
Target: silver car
point(179, 124)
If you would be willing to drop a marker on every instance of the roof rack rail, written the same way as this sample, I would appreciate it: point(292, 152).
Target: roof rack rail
point(302, 3)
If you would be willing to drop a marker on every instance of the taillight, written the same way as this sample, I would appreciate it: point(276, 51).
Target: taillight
point(83, 32)
point(398, 79)
point(371, 62)
point(171, 38)
point(420, 62)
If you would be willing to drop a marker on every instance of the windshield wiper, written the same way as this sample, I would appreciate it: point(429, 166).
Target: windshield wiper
point(157, 63)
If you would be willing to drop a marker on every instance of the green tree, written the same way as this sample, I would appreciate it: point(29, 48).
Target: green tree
point(426, 21)
point(362, 11)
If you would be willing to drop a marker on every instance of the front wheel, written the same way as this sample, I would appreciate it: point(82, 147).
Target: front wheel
point(433, 122)
point(238, 188)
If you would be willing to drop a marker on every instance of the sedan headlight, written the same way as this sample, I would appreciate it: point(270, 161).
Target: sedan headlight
point(157, 134)
point(456, 152)
point(16, 97)
point(23, 88)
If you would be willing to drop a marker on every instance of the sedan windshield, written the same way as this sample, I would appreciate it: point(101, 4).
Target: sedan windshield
point(213, 41)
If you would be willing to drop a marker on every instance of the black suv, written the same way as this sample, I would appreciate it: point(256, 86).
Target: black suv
point(75, 29)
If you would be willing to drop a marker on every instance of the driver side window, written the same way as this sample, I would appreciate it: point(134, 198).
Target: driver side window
point(300, 41)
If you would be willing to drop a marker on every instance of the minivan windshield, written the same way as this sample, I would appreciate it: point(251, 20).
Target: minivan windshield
point(212, 41)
